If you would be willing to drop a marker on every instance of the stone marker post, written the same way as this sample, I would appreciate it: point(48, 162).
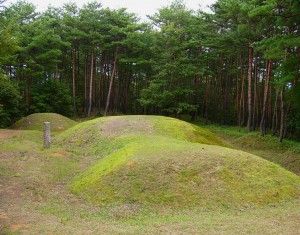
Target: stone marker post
point(47, 138)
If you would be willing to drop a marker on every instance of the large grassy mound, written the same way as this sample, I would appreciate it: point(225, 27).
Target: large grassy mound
point(36, 122)
point(159, 161)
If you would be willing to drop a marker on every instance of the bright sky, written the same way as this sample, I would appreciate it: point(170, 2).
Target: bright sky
point(141, 7)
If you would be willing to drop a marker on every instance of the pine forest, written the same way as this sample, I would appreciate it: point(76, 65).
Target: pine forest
point(238, 65)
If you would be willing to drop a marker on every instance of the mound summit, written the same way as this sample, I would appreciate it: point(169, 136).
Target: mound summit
point(160, 161)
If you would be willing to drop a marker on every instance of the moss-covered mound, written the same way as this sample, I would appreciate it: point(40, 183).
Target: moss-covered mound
point(159, 161)
point(36, 122)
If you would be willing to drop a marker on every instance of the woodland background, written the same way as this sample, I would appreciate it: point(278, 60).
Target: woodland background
point(238, 65)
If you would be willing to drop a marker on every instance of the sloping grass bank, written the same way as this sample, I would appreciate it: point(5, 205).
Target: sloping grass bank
point(285, 154)
point(164, 162)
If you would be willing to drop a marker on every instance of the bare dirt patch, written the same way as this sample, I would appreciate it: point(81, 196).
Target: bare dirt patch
point(119, 125)
point(8, 134)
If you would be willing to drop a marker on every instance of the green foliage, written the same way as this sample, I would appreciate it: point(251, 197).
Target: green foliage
point(8, 45)
point(182, 62)
point(9, 102)
point(171, 92)
point(293, 121)
point(51, 97)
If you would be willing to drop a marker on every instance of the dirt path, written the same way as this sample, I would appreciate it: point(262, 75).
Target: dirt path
point(116, 126)
point(7, 134)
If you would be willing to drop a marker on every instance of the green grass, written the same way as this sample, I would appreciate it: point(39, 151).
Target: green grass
point(22, 141)
point(145, 175)
point(164, 162)
point(36, 122)
point(285, 154)
point(174, 128)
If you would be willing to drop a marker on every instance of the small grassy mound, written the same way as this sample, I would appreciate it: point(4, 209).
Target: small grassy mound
point(36, 122)
point(159, 161)
point(111, 133)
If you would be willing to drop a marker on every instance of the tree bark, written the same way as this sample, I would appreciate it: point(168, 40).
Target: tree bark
point(266, 90)
point(85, 84)
point(111, 82)
point(250, 62)
point(242, 103)
point(237, 97)
point(73, 78)
point(91, 83)
point(27, 91)
point(127, 85)
point(255, 98)
point(206, 99)
point(282, 116)
point(275, 116)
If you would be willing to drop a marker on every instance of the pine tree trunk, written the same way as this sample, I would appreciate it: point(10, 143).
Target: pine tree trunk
point(242, 103)
point(255, 106)
point(27, 92)
point(275, 116)
point(282, 118)
point(269, 110)
point(266, 90)
point(73, 79)
point(206, 100)
point(91, 83)
point(85, 84)
point(250, 62)
point(127, 85)
point(237, 100)
point(237, 97)
point(111, 83)
point(221, 96)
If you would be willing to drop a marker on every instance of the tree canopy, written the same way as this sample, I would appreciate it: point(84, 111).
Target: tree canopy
point(238, 65)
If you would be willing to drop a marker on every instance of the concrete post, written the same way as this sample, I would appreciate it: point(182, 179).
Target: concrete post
point(47, 137)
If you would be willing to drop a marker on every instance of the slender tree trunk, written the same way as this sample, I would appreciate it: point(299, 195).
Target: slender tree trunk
point(127, 85)
point(221, 96)
point(74, 78)
point(237, 100)
point(111, 82)
point(275, 116)
point(27, 91)
point(250, 62)
point(255, 105)
point(85, 84)
point(269, 110)
point(237, 97)
point(242, 103)
point(266, 90)
point(91, 83)
point(206, 100)
point(282, 116)
point(101, 79)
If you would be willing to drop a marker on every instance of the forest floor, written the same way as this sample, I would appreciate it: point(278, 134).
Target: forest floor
point(34, 198)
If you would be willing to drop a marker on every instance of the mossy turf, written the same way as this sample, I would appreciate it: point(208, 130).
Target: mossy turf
point(143, 175)
point(162, 162)
point(36, 122)
point(285, 154)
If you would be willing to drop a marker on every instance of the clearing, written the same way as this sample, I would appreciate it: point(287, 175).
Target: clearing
point(141, 175)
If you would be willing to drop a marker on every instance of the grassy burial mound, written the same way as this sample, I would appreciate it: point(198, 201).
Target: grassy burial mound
point(36, 122)
point(159, 161)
